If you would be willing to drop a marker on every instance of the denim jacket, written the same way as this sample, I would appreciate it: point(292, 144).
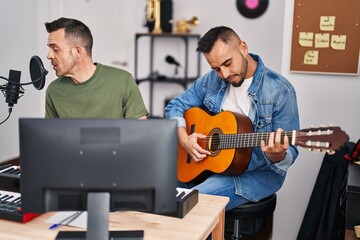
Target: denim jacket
point(273, 106)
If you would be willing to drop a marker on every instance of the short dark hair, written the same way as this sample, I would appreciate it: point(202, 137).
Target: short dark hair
point(207, 41)
point(74, 30)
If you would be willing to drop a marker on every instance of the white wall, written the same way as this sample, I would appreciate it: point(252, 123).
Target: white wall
point(20, 40)
point(323, 99)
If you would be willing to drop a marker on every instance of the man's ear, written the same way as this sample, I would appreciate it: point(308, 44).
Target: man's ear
point(77, 51)
point(243, 48)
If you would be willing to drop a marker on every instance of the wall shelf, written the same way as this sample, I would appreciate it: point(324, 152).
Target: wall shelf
point(153, 77)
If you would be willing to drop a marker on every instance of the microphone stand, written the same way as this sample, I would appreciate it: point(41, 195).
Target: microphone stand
point(13, 90)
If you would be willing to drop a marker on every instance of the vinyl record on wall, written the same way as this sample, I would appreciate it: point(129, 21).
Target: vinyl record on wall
point(252, 8)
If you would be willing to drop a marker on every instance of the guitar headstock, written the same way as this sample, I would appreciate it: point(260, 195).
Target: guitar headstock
point(322, 139)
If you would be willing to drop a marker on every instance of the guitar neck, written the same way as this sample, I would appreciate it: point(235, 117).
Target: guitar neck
point(227, 130)
point(244, 140)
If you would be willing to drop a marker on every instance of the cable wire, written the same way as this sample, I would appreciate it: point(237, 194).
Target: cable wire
point(10, 110)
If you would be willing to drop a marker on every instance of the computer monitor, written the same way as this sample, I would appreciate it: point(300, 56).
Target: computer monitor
point(98, 165)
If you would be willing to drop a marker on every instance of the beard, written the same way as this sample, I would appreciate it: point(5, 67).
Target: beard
point(242, 74)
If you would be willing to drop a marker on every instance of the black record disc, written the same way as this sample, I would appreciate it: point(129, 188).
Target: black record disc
point(252, 8)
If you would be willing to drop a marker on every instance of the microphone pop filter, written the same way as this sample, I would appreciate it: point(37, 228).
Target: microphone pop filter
point(37, 72)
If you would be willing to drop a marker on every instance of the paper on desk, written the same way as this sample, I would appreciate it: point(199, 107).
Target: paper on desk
point(79, 222)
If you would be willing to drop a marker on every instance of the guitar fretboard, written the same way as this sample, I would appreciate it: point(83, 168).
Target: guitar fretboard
point(244, 140)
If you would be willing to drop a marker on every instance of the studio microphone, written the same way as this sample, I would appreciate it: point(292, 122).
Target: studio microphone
point(169, 59)
point(12, 89)
point(37, 72)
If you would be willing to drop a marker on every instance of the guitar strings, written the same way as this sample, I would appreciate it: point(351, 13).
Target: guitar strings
point(240, 136)
point(244, 139)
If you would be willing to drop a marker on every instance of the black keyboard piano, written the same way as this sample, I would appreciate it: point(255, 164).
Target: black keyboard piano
point(10, 197)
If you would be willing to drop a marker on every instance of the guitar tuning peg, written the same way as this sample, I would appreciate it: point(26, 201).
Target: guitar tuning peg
point(311, 150)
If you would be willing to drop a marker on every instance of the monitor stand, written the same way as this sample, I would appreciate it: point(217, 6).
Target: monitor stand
point(98, 206)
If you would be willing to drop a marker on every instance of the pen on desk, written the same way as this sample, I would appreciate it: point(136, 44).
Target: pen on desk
point(67, 220)
point(73, 218)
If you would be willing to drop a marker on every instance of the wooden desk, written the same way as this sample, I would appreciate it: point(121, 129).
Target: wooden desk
point(205, 218)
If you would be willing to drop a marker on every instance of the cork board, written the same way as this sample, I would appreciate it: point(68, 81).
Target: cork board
point(326, 37)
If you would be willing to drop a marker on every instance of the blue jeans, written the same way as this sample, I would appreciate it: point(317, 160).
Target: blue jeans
point(220, 185)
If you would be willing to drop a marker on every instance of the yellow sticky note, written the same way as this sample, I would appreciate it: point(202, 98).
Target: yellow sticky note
point(338, 42)
point(322, 40)
point(306, 39)
point(327, 23)
point(311, 57)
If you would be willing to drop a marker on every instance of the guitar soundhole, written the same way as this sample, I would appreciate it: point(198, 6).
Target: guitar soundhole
point(213, 141)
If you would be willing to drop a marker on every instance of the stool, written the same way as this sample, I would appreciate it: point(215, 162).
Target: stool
point(251, 210)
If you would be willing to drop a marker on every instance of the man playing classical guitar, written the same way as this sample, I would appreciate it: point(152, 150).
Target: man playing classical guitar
point(239, 82)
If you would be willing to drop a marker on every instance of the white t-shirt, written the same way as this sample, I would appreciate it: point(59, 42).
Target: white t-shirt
point(237, 98)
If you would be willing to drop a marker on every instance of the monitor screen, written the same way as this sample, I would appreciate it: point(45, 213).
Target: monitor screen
point(128, 164)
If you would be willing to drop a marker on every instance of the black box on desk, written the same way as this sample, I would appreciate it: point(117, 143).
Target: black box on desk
point(186, 200)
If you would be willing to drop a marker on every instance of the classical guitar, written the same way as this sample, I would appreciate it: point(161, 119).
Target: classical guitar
point(230, 139)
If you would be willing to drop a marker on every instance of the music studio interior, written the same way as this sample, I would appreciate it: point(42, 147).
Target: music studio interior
point(155, 40)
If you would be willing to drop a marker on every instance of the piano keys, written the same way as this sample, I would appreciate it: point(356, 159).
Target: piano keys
point(10, 177)
point(10, 169)
point(10, 207)
point(10, 197)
